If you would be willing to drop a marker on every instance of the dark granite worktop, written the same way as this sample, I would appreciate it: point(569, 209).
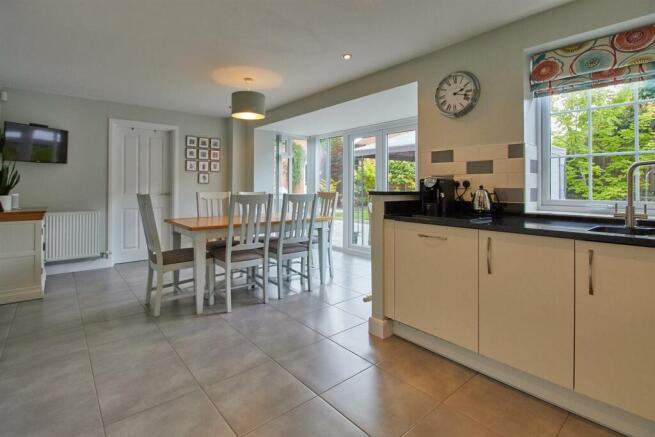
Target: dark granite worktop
point(557, 226)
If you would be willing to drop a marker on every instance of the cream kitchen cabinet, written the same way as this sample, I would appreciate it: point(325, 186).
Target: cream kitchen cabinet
point(436, 281)
point(527, 303)
point(615, 325)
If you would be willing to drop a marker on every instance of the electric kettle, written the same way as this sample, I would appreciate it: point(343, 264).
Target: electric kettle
point(483, 200)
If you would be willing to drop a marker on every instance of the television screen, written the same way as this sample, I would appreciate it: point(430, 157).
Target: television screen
point(23, 142)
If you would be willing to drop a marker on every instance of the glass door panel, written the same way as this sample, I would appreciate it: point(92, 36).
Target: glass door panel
point(364, 169)
point(299, 166)
point(330, 178)
point(401, 160)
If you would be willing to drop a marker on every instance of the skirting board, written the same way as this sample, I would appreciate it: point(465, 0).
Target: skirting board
point(581, 405)
point(77, 266)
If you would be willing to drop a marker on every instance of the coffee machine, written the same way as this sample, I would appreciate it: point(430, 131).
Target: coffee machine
point(437, 196)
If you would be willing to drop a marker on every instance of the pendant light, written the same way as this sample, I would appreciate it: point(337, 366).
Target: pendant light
point(248, 105)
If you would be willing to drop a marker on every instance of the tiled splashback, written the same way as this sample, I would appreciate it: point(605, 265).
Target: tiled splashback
point(507, 169)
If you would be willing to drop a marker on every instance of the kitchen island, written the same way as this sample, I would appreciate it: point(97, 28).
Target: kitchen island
point(544, 304)
point(22, 275)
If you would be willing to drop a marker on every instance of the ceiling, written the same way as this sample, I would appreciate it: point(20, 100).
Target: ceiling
point(389, 105)
point(190, 55)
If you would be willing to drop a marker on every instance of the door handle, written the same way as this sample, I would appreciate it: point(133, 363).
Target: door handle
point(591, 276)
point(489, 255)
point(436, 237)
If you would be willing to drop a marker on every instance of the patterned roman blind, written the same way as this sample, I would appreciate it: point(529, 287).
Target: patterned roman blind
point(613, 59)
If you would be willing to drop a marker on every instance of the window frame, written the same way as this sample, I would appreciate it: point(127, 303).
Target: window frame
point(583, 206)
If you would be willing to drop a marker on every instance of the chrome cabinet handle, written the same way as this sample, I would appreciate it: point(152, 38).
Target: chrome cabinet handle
point(436, 237)
point(489, 255)
point(591, 277)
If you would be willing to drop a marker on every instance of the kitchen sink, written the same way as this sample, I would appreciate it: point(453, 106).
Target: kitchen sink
point(623, 230)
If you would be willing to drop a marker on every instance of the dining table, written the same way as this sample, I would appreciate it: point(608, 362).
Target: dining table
point(203, 229)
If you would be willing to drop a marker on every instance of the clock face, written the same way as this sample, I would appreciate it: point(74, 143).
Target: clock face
point(457, 94)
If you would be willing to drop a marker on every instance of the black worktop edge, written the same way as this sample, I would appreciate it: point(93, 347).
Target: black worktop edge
point(571, 234)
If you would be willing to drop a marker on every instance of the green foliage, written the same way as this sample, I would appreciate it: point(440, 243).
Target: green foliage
point(298, 170)
point(613, 131)
point(402, 175)
point(9, 176)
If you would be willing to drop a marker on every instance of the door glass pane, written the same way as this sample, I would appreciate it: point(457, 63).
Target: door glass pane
point(364, 164)
point(299, 166)
point(335, 178)
point(401, 164)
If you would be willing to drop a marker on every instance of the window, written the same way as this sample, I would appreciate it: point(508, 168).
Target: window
point(590, 139)
point(401, 160)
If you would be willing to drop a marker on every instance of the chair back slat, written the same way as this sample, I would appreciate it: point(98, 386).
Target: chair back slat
point(297, 218)
point(212, 203)
point(328, 206)
point(252, 210)
point(149, 226)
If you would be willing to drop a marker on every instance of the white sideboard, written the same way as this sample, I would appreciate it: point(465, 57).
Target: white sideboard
point(22, 274)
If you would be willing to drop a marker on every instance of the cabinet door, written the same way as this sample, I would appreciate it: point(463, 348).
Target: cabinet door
point(436, 281)
point(615, 325)
point(526, 303)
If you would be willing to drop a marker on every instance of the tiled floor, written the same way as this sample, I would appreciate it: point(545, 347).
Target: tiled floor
point(87, 360)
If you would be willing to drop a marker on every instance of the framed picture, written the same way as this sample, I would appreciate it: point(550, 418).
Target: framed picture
point(215, 143)
point(203, 154)
point(203, 178)
point(191, 165)
point(203, 165)
point(215, 166)
point(203, 142)
point(215, 155)
point(191, 153)
point(191, 141)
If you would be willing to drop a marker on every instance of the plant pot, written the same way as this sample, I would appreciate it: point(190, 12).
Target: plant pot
point(5, 201)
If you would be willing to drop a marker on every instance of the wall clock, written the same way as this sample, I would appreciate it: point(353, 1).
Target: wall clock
point(457, 94)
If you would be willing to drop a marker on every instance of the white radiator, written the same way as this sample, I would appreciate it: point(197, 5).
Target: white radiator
point(71, 235)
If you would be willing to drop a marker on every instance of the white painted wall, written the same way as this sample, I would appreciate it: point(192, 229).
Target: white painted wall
point(82, 183)
point(498, 58)
point(264, 160)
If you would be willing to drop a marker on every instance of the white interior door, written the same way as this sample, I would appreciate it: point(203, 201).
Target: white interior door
point(140, 164)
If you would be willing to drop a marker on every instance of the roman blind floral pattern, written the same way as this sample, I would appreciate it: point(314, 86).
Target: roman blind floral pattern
point(619, 58)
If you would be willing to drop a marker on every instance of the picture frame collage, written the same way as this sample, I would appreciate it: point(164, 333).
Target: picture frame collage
point(202, 155)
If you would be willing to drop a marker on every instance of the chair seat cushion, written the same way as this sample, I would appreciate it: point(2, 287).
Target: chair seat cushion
point(238, 255)
point(314, 241)
point(286, 248)
point(175, 256)
point(216, 244)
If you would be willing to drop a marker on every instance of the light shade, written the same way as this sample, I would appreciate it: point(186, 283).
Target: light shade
point(248, 105)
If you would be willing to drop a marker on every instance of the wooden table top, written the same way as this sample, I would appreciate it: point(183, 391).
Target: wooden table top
point(21, 215)
point(218, 222)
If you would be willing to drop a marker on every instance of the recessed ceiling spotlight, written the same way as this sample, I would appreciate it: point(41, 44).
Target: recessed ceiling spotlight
point(346, 56)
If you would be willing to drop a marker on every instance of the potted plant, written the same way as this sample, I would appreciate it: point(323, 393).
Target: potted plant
point(9, 178)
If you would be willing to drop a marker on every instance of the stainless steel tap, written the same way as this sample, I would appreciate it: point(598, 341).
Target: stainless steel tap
point(630, 214)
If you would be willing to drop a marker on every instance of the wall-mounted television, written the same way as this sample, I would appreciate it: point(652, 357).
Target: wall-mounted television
point(24, 142)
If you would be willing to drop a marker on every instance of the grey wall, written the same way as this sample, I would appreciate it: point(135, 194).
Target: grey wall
point(82, 183)
point(498, 58)
point(264, 160)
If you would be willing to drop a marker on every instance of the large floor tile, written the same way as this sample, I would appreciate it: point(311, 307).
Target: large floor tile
point(88, 300)
point(189, 415)
point(357, 306)
point(360, 284)
point(183, 330)
point(7, 312)
point(379, 403)
point(35, 348)
point(51, 305)
point(428, 372)
point(252, 398)
point(299, 304)
point(113, 310)
point(367, 346)
point(46, 323)
point(576, 426)
point(282, 338)
point(323, 365)
point(134, 327)
point(249, 319)
point(329, 321)
point(333, 293)
point(445, 421)
point(124, 392)
point(211, 362)
point(505, 410)
point(54, 398)
point(313, 418)
point(130, 352)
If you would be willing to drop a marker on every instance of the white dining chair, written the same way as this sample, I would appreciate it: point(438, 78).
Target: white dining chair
point(212, 203)
point(327, 208)
point(293, 241)
point(247, 244)
point(164, 261)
